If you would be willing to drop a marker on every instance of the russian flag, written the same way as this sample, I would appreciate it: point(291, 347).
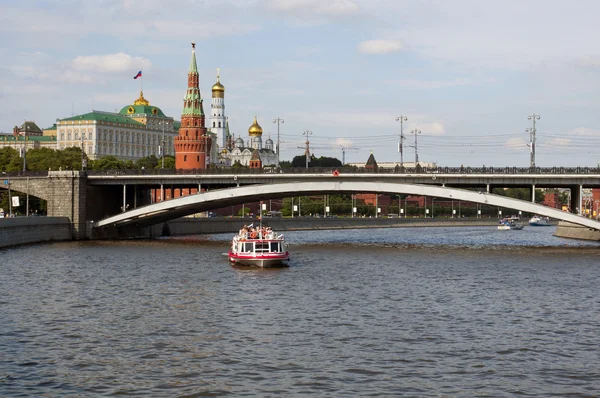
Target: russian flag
point(139, 74)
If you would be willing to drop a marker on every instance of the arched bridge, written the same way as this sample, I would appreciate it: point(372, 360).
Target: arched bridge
point(175, 208)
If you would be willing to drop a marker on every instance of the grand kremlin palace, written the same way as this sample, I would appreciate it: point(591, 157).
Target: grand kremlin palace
point(133, 133)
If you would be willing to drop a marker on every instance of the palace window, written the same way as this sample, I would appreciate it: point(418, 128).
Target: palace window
point(185, 158)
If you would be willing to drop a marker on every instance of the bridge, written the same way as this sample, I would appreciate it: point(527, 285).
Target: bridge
point(97, 199)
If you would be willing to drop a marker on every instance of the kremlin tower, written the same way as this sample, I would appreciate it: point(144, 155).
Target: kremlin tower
point(192, 144)
point(218, 112)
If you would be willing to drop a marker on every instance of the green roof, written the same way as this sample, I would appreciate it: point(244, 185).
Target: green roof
point(51, 128)
point(104, 117)
point(30, 127)
point(176, 125)
point(30, 138)
point(149, 110)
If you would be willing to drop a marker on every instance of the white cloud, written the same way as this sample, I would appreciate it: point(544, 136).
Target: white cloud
point(343, 142)
point(516, 144)
point(331, 8)
point(380, 46)
point(110, 63)
point(557, 142)
point(75, 77)
point(435, 128)
point(431, 84)
point(584, 131)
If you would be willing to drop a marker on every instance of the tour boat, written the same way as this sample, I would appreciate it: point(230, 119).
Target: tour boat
point(509, 223)
point(259, 247)
point(537, 221)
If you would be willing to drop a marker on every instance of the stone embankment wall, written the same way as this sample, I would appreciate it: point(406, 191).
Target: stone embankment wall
point(23, 230)
point(190, 226)
point(574, 231)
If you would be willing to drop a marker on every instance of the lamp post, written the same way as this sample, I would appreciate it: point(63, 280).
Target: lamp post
point(162, 147)
point(278, 121)
point(83, 160)
point(531, 132)
point(416, 132)
point(25, 152)
point(307, 152)
point(401, 119)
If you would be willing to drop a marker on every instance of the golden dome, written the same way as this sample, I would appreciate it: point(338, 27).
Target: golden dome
point(141, 100)
point(218, 86)
point(218, 90)
point(255, 129)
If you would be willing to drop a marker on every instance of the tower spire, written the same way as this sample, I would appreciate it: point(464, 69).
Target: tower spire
point(192, 145)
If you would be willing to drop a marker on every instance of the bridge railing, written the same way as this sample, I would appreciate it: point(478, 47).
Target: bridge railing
point(358, 170)
point(329, 170)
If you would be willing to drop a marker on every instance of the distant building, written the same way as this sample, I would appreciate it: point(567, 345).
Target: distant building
point(551, 200)
point(133, 133)
point(392, 165)
point(242, 152)
point(28, 136)
point(28, 129)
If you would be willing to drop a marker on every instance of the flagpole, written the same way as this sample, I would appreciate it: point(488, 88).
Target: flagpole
point(141, 80)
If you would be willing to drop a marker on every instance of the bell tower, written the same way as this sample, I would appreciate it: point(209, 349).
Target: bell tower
point(217, 109)
point(192, 145)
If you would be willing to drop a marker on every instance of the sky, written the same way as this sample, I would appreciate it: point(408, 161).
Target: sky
point(465, 73)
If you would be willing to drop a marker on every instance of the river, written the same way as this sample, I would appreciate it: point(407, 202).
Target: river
point(415, 312)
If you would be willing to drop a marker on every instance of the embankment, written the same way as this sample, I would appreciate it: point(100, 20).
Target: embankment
point(574, 231)
point(192, 226)
point(24, 230)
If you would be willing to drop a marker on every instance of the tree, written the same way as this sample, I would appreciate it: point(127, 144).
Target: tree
point(323, 161)
point(107, 163)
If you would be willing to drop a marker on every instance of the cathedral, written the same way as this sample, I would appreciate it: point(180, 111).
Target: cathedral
point(239, 152)
point(227, 151)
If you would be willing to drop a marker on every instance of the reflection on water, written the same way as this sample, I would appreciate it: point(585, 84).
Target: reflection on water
point(413, 312)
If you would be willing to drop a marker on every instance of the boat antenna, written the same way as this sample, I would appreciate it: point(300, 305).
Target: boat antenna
point(260, 221)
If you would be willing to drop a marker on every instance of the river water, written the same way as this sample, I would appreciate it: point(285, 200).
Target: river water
point(415, 312)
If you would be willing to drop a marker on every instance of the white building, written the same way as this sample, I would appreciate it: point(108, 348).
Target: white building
point(137, 131)
point(243, 153)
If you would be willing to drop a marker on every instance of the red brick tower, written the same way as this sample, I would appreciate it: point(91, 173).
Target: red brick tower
point(192, 143)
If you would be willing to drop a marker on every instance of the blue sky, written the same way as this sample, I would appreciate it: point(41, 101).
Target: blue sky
point(465, 73)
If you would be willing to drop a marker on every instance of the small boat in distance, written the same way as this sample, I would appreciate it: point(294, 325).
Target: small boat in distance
point(538, 221)
point(510, 223)
point(260, 247)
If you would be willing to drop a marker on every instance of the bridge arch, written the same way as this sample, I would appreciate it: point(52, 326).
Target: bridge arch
point(175, 208)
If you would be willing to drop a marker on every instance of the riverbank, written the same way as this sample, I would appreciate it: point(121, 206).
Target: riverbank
point(198, 226)
point(574, 231)
point(25, 230)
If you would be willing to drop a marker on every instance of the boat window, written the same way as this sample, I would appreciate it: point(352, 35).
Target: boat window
point(248, 247)
point(275, 247)
point(262, 246)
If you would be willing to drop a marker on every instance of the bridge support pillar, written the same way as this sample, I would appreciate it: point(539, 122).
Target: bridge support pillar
point(576, 198)
point(124, 208)
point(533, 193)
point(67, 196)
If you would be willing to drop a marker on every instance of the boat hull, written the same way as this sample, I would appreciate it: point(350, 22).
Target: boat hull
point(264, 261)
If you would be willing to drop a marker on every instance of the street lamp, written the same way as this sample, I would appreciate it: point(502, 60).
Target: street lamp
point(401, 119)
point(83, 160)
point(278, 121)
point(416, 132)
point(162, 147)
point(531, 132)
point(307, 152)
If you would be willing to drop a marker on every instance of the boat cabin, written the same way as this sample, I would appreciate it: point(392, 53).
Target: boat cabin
point(263, 246)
